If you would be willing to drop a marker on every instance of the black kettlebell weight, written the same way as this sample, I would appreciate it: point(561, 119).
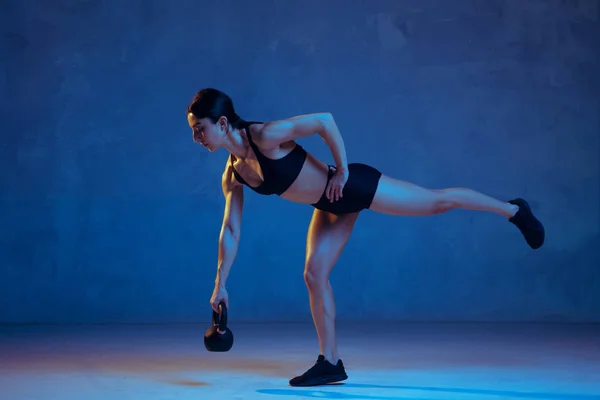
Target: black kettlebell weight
point(218, 337)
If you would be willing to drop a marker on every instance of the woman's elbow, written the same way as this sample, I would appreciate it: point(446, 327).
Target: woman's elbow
point(326, 118)
point(230, 231)
point(326, 124)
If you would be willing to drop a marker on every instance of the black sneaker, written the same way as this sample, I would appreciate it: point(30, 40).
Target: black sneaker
point(322, 373)
point(531, 228)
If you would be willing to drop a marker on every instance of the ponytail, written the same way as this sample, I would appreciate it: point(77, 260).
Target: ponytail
point(238, 122)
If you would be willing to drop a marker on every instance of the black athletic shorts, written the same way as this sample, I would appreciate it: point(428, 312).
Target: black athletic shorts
point(358, 192)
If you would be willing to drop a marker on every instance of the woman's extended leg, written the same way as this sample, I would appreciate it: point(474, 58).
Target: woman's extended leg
point(327, 237)
point(396, 197)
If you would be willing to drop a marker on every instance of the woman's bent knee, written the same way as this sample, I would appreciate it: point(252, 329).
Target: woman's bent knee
point(316, 274)
point(315, 280)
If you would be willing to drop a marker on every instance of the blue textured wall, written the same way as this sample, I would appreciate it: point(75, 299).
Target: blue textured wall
point(110, 213)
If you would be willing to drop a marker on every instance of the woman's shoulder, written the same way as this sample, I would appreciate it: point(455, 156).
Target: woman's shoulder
point(273, 133)
point(257, 130)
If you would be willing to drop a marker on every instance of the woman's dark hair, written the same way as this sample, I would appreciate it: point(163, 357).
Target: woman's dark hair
point(213, 104)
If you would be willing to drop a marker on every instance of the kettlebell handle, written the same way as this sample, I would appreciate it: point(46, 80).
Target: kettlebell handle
point(218, 337)
point(220, 319)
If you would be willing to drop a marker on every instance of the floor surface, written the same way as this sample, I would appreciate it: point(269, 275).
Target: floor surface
point(399, 361)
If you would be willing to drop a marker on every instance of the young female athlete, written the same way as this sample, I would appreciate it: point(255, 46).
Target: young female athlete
point(266, 158)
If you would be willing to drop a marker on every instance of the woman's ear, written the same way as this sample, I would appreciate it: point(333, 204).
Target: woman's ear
point(223, 123)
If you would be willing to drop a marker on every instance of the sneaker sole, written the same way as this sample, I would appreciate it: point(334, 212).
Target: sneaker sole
point(323, 380)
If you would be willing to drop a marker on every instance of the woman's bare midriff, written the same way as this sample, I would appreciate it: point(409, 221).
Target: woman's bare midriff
point(310, 183)
point(308, 186)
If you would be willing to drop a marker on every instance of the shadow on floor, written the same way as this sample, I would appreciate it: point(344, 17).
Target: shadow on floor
point(310, 392)
point(189, 383)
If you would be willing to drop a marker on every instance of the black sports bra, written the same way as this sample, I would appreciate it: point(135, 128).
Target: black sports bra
point(278, 174)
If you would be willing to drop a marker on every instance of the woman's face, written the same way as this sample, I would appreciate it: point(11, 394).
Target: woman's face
point(209, 135)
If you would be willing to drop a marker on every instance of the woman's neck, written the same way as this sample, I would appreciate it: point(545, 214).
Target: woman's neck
point(237, 143)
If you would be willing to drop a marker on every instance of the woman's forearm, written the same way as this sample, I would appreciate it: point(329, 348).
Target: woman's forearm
point(228, 246)
point(332, 136)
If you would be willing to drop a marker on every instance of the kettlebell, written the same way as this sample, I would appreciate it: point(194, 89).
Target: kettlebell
point(213, 339)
